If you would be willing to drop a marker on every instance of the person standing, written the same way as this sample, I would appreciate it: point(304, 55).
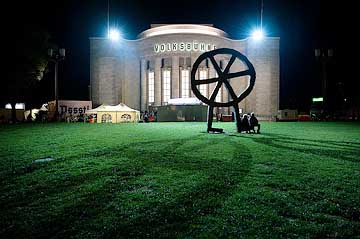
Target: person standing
point(254, 123)
point(245, 123)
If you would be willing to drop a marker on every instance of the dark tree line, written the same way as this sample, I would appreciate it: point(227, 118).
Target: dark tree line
point(26, 63)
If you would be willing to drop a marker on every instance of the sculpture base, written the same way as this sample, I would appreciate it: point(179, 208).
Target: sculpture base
point(215, 130)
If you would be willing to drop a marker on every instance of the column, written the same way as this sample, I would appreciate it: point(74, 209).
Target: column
point(211, 74)
point(144, 86)
point(193, 59)
point(225, 97)
point(157, 70)
point(175, 89)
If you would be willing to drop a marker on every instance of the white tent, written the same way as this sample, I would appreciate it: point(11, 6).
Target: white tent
point(115, 113)
point(184, 101)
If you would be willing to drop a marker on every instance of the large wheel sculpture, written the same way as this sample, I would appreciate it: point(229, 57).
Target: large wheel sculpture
point(223, 77)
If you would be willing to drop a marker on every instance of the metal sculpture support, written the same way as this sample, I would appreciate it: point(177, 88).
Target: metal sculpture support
point(222, 78)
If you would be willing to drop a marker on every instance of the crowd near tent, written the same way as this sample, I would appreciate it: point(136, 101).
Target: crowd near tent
point(34, 112)
point(115, 113)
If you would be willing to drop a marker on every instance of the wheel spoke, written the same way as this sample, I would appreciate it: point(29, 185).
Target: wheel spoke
point(216, 66)
point(224, 76)
point(237, 74)
point(215, 92)
point(206, 81)
point(230, 89)
point(229, 64)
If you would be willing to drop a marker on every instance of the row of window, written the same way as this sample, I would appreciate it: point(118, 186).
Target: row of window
point(183, 62)
point(185, 85)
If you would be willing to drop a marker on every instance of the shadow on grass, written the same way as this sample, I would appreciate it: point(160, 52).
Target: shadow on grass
point(179, 214)
point(347, 151)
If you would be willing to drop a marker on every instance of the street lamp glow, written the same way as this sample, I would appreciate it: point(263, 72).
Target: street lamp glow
point(258, 34)
point(114, 35)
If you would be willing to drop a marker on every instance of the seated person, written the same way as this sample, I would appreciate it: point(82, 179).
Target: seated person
point(146, 117)
point(254, 123)
point(151, 117)
point(245, 126)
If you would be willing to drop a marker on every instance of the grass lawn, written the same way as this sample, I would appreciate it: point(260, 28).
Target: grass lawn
point(173, 180)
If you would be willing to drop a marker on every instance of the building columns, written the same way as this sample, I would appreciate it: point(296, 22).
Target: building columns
point(175, 72)
point(157, 71)
point(144, 86)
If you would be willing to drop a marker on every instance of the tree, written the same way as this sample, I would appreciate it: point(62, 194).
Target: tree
point(27, 65)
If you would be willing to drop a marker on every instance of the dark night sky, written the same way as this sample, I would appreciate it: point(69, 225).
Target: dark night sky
point(301, 25)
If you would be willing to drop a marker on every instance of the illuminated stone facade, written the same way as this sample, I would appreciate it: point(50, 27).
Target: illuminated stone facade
point(155, 66)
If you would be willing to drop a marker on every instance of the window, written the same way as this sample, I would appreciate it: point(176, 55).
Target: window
point(126, 117)
point(188, 61)
point(203, 87)
point(106, 118)
point(219, 94)
point(166, 62)
point(166, 85)
point(185, 84)
point(151, 87)
point(181, 61)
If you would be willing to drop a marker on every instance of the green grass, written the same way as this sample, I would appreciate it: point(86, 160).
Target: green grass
point(173, 180)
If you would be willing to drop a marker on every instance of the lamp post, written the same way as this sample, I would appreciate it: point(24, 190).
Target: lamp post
point(56, 56)
point(324, 57)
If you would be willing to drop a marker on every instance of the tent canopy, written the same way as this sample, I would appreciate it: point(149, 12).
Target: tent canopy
point(111, 108)
point(184, 101)
point(115, 113)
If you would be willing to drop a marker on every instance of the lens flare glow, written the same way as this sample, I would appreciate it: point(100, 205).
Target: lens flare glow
point(114, 35)
point(258, 34)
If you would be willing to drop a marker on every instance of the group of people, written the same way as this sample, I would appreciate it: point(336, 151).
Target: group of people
point(248, 123)
point(149, 116)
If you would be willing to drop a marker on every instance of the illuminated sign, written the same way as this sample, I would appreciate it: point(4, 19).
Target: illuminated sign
point(320, 99)
point(73, 107)
point(183, 46)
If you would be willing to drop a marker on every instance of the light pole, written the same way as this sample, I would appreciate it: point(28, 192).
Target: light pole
point(324, 56)
point(56, 56)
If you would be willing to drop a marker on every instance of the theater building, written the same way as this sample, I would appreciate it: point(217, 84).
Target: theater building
point(149, 71)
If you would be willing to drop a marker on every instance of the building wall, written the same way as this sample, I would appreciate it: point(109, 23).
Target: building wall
point(119, 70)
point(265, 57)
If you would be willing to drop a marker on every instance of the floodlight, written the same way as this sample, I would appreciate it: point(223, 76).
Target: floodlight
point(257, 34)
point(114, 34)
